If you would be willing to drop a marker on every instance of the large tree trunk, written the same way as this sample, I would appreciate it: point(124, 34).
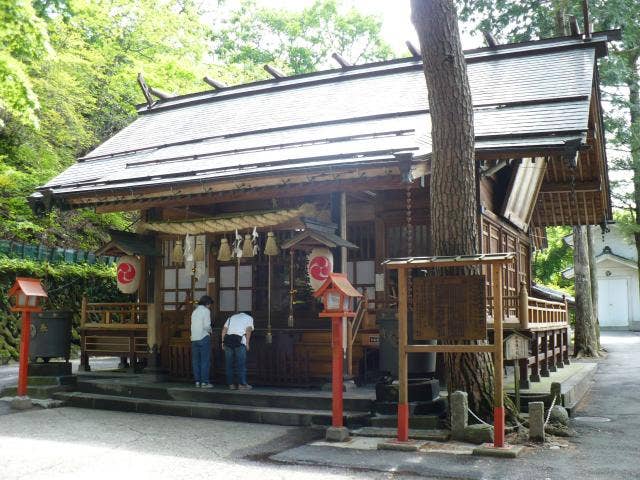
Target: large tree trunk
point(454, 228)
point(585, 344)
point(633, 82)
point(594, 284)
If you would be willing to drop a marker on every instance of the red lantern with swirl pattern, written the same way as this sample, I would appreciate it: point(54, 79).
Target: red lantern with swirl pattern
point(129, 271)
point(319, 267)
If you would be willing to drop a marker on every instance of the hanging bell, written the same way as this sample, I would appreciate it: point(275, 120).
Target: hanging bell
point(271, 248)
point(177, 253)
point(247, 246)
point(198, 255)
point(224, 254)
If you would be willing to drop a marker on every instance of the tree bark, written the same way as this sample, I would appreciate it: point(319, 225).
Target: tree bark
point(633, 82)
point(585, 344)
point(594, 284)
point(453, 200)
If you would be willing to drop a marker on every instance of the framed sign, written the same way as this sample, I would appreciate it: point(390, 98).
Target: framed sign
point(449, 308)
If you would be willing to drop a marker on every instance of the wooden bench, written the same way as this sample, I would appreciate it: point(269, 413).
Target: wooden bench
point(113, 329)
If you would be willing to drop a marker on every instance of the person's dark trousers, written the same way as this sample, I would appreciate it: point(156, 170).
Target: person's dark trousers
point(240, 356)
point(201, 359)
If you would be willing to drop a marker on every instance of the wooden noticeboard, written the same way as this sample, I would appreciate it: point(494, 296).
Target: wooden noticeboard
point(449, 308)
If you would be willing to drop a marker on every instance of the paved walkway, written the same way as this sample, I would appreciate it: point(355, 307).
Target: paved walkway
point(607, 445)
point(69, 443)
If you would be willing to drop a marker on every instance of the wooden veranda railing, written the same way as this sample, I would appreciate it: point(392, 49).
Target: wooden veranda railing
point(113, 313)
point(525, 312)
point(546, 323)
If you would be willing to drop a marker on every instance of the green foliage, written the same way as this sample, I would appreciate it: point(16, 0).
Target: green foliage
point(298, 42)
point(65, 283)
point(68, 81)
point(549, 263)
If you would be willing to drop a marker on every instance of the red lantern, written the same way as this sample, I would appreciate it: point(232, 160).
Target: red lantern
point(25, 296)
point(338, 296)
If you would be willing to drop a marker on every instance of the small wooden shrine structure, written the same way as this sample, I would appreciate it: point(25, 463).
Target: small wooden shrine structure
point(224, 170)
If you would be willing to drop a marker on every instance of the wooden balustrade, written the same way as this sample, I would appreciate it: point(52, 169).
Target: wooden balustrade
point(114, 329)
point(94, 314)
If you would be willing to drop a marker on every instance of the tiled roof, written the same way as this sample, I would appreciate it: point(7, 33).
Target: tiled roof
point(535, 94)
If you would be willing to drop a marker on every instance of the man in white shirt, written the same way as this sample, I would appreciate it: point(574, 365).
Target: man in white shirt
point(237, 332)
point(201, 342)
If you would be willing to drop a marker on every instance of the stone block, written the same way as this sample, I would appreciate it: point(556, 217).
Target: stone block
point(459, 414)
point(559, 415)
point(536, 421)
point(21, 403)
point(478, 434)
point(337, 434)
point(508, 451)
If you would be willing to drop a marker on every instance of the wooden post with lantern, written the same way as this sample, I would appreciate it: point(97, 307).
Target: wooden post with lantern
point(338, 296)
point(25, 296)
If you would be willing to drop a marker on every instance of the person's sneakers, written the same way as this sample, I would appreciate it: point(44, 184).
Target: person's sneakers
point(233, 387)
point(244, 387)
point(206, 385)
point(197, 384)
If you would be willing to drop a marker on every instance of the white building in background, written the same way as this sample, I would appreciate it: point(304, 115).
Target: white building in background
point(617, 274)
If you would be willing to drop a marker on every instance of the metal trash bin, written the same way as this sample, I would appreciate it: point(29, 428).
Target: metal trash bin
point(50, 335)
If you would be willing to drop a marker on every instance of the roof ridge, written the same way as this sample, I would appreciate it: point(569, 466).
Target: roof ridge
point(384, 67)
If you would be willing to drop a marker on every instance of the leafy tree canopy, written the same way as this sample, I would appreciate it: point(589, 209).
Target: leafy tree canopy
point(68, 80)
point(298, 42)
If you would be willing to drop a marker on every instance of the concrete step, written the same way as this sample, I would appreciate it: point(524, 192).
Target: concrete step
point(436, 435)
point(217, 411)
point(415, 421)
point(258, 397)
point(42, 387)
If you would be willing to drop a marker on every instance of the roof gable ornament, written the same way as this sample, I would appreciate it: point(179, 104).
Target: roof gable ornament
point(274, 72)
point(217, 85)
point(148, 91)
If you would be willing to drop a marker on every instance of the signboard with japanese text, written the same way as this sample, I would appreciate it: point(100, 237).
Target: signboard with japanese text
point(449, 308)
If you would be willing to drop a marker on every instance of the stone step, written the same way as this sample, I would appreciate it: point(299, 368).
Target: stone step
point(258, 397)
point(435, 435)
point(217, 411)
point(415, 421)
point(42, 387)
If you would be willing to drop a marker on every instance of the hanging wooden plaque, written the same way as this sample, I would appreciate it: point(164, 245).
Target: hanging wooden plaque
point(449, 308)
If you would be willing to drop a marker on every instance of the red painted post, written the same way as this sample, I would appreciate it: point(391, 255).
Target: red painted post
point(336, 334)
point(403, 422)
point(25, 336)
point(498, 425)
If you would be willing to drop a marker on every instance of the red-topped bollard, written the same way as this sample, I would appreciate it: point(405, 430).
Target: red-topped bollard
point(25, 296)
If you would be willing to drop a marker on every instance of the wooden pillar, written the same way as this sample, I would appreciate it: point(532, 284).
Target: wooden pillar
point(498, 401)
point(523, 365)
point(535, 352)
point(544, 370)
point(523, 307)
point(403, 396)
point(561, 347)
point(565, 335)
point(346, 344)
point(552, 346)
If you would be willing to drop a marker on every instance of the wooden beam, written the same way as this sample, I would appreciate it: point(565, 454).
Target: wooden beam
point(366, 183)
point(559, 187)
point(450, 348)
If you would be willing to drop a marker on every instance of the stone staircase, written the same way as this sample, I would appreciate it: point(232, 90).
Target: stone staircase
point(43, 387)
point(292, 407)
